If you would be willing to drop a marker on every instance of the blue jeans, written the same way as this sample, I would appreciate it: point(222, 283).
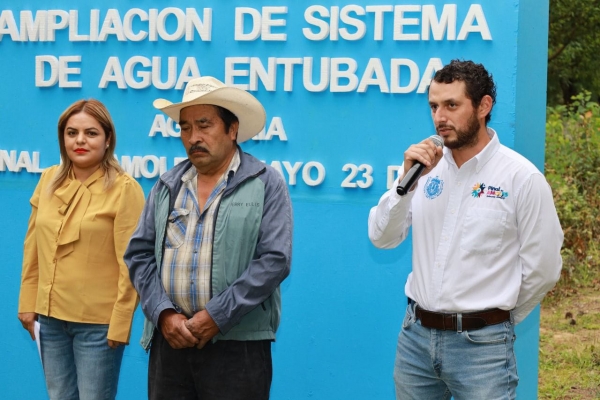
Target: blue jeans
point(78, 363)
point(470, 365)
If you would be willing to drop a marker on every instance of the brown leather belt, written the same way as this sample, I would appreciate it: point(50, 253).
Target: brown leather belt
point(470, 321)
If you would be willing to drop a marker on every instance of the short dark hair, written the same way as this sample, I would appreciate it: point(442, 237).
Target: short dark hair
point(478, 81)
point(227, 117)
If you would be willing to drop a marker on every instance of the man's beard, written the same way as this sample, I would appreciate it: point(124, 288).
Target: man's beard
point(464, 138)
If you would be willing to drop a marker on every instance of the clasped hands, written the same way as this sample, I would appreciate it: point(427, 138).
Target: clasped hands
point(181, 332)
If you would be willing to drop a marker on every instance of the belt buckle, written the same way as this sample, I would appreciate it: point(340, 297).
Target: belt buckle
point(459, 322)
point(448, 321)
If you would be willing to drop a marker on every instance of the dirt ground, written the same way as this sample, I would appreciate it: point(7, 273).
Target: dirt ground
point(570, 347)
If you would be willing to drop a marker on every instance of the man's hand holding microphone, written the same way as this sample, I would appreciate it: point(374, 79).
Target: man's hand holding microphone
point(420, 159)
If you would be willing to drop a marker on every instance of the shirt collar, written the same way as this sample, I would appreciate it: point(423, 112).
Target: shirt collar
point(488, 151)
point(483, 156)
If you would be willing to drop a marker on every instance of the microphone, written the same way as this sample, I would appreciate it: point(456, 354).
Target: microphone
point(414, 173)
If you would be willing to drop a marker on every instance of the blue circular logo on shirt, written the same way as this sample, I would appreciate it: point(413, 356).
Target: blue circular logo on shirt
point(433, 187)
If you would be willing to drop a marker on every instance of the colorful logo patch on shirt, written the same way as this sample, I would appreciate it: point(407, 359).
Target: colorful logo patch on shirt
point(478, 190)
point(433, 187)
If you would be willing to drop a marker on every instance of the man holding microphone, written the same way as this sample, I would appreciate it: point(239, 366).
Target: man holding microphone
point(486, 246)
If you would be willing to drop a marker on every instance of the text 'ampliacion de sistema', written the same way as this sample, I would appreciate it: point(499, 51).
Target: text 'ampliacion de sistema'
point(407, 22)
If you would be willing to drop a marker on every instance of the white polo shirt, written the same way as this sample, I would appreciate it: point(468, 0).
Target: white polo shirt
point(484, 236)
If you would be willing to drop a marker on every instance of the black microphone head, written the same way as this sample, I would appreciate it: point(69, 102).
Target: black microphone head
point(437, 140)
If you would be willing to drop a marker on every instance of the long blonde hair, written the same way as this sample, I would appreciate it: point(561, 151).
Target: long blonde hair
point(98, 111)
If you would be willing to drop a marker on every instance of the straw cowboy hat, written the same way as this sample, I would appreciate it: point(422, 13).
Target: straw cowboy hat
point(208, 90)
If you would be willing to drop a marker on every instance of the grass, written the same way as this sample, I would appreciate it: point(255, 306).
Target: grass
point(570, 344)
point(570, 322)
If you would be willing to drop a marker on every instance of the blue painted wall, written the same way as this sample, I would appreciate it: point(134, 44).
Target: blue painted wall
point(344, 301)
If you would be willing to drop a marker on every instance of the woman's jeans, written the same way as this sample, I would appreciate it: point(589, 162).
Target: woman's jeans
point(468, 365)
point(78, 363)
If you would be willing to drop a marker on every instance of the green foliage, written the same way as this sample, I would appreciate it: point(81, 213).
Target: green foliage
point(573, 49)
point(573, 171)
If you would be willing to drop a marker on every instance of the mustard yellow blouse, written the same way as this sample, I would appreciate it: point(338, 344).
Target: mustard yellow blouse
point(73, 266)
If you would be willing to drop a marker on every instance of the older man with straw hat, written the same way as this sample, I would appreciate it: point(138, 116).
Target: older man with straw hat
point(211, 248)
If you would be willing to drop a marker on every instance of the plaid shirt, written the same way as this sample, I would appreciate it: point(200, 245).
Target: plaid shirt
point(187, 261)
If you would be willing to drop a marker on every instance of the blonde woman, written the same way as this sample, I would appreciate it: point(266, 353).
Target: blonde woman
point(74, 280)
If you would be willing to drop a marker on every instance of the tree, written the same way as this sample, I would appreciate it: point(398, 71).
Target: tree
point(573, 49)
